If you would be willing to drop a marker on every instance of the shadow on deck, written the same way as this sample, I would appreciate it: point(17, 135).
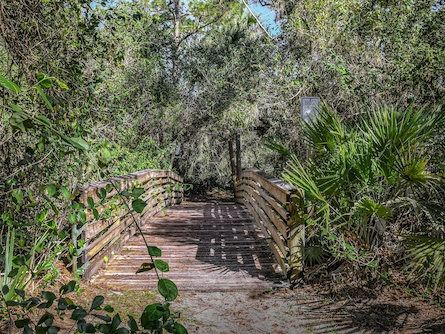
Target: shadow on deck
point(208, 246)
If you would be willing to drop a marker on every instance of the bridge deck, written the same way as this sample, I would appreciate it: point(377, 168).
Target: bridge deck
point(208, 246)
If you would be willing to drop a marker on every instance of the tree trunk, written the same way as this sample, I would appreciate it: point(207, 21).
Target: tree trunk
point(232, 163)
point(238, 153)
point(176, 35)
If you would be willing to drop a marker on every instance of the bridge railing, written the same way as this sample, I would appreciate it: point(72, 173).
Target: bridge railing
point(100, 238)
point(276, 207)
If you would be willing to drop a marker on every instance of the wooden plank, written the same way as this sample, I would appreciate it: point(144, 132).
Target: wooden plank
point(274, 218)
point(96, 246)
point(278, 207)
point(279, 257)
point(281, 243)
point(257, 218)
point(274, 186)
point(219, 257)
point(96, 228)
point(98, 261)
point(126, 182)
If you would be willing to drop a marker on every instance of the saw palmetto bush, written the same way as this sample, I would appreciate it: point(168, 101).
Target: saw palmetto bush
point(370, 193)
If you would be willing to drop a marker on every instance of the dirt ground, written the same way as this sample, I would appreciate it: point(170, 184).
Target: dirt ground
point(283, 311)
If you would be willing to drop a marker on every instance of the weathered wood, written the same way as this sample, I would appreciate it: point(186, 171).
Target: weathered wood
point(277, 188)
point(296, 236)
point(99, 260)
point(279, 257)
point(209, 246)
point(279, 241)
point(279, 224)
point(105, 239)
point(105, 236)
point(279, 206)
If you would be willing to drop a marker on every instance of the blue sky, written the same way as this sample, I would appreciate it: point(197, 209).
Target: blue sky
point(266, 16)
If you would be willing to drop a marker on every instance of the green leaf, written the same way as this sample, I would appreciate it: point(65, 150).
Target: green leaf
point(44, 80)
point(20, 292)
point(47, 318)
point(51, 189)
point(180, 329)
point(137, 192)
point(82, 216)
point(151, 313)
point(132, 324)
point(9, 84)
point(62, 304)
point(105, 318)
point(67, 288)
point(53, 330)
point(76, 142)
point(20, 120)
point(96, 214)
point(115, 322)
point(19, 260)
point(88, 328)
point(145, 267)
point(22, 322)
point(27, 330)
point(61, 84)
point(103, 193)
point(44, 120)
point(72, 217)
point(15, 107)
point(122, 330)
point(65, 192)
point(104, 328)
point(41, 216)
point(49, 296)
point(138, 205)
point(167, 289)
point(44, 98)
point(104, 157)
point(161, 265)
point(12, 303)
point(79, 314)
point(109, 308)
point(154, 251)
point(97, 302)
point(90, 202)
point(13, 272)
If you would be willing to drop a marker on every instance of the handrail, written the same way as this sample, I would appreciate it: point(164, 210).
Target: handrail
point(100, 239)
point(276, 206)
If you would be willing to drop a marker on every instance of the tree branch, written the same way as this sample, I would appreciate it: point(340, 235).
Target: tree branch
point(256, 18)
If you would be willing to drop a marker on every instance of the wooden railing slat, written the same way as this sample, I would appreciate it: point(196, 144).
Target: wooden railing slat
point(272, 201)
point(277, 205)
point(105, 236)
point(271, 231)
point(274, 218)
point(274, 186)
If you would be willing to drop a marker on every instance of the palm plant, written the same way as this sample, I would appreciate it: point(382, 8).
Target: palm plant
point(361, 179)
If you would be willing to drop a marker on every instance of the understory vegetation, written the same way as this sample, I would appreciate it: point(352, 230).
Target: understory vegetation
point(90, 90)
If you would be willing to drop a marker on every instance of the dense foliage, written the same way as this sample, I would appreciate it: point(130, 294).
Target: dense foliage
point(97, 89)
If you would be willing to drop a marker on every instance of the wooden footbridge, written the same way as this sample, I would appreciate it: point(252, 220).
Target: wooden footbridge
point(251, 242)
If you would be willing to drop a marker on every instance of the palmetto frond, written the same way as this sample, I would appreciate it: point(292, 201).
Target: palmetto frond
point(357, 179)
point(411, 167)
point(325, 132)
point(390, 130)
point(426, 259)
point(278, 147)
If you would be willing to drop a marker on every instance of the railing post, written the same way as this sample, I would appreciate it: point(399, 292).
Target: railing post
point(296, 237)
